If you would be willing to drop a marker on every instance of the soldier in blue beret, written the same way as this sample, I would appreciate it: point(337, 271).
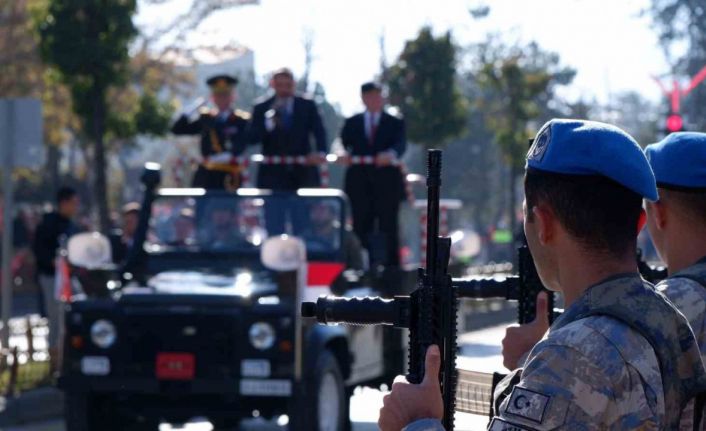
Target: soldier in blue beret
point(621, 356)
point(677, 224)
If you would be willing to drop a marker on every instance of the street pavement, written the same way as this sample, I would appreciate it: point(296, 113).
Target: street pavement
point(480, 351)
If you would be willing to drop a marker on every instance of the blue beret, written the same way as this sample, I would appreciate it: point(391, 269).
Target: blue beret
point(679, 160)
point(579, 147)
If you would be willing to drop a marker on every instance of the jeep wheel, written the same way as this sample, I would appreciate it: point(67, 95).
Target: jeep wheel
point(327, 409)
point(77, 413)
point(87, 412)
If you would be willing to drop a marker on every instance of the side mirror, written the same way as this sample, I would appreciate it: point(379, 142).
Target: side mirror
point(283, 253)
point(89, 250)
point(465, 244)
point(151, 176)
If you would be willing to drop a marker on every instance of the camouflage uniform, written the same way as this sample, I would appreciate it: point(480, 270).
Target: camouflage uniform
point(621, 356)
point(689, 296)
point(599, 371)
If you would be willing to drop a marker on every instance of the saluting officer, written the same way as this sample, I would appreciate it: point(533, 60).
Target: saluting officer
point(375, 190)
point(620, 356)
point(285, 124)
point(224, 134)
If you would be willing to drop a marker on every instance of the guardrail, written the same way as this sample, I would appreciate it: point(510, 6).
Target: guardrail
point(244, 163)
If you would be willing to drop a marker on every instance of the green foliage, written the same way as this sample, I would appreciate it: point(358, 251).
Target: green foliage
point(153, 117)
point(87, 41)
point(423, 84)
point(522, 82)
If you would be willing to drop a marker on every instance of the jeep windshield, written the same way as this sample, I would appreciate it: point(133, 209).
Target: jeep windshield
point(193, 220)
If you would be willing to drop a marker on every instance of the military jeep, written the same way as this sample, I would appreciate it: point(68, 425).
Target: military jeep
point(202, 320)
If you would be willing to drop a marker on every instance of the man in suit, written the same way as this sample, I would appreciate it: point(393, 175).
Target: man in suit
point(224, 133)
point(375, 191)
point(121, 240)
point(284, 124)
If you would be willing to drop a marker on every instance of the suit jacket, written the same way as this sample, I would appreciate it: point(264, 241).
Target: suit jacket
point(304, 123)
point(390, 135)
point(216, 136)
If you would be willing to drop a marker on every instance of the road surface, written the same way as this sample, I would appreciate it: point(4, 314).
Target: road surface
point(480, 350)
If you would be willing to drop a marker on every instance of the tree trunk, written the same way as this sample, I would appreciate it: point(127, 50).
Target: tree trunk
point(51, 176)
point(100, 189)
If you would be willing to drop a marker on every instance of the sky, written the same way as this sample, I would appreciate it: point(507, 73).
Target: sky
point(608, 42)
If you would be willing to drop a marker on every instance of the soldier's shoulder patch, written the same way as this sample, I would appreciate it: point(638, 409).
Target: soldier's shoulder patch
point(499, 424)
point(540, 144)
point(245, 115)
point(527, 404)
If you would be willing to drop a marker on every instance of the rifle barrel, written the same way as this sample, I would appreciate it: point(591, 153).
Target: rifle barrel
point(504, 287)
point(332, 310)
point(433, 196)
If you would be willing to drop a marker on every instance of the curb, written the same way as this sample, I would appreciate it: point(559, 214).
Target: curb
point(32, 406)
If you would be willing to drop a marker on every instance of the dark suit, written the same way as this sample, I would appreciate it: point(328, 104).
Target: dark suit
point(217, 135)
point(291, 136)
point(375, 192)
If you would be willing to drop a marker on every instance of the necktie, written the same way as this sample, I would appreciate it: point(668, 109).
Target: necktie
point(373, 130)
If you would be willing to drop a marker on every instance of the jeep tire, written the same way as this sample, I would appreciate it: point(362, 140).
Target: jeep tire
point(87, 412)
point(326, 405)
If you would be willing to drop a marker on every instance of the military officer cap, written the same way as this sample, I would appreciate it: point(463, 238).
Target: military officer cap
point(579, 147)
point(679, 161)
point(222, 83)
point(283, 71)
point(370, 86)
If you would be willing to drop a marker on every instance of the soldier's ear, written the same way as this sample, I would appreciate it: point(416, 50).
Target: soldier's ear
point(662, 214)
point(657, 212)
point(545, 223)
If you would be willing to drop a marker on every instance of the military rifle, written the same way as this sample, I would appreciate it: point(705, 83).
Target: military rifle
point(430, 311)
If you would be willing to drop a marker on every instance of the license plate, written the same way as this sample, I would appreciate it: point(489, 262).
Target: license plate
point(95, 365)
point(266, 388)
point(255, 368)
point(175, 366)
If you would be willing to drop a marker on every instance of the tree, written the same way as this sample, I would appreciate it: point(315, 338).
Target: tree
point(23, 74)
point(87, 41)
point(634, 114)
point(423, 84)
point(522, 82)
point(198, 11)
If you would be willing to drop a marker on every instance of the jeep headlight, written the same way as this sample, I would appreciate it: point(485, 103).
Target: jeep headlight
point(262, 335)
point(103, 333)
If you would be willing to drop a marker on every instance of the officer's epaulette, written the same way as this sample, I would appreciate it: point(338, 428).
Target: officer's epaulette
point(207, 111)
point(245, 115)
